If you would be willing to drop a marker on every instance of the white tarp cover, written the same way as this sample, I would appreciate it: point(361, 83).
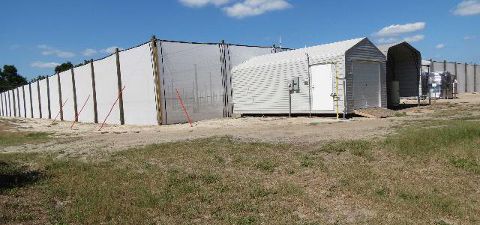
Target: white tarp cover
point(54, 98)
point(195, 71)
point(36, 112)
point(106, 84)
point(83, 84)
point(20, 102)
point(139, 94)
point(28, 105)
point(470, 79)
point(44, 98)
point(67, 95)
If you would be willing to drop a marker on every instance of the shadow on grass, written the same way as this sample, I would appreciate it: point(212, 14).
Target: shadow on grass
point(14, 176)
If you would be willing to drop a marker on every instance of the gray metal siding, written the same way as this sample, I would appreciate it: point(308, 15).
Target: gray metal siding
point(365, 50)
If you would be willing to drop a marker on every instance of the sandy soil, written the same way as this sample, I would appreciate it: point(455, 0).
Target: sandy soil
point(85, 140)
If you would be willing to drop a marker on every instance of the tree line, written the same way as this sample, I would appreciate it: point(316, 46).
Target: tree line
point(10, 78)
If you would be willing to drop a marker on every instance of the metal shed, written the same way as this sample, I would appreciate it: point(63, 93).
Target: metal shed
point(333, 78)
point(404, 64)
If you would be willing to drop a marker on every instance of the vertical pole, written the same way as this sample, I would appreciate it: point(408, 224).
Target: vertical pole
point(74, 89)
point(31, 99)
point(24, 103)
point(119, 79)
point(60, 102)
point(48, 99)
point(39, 99)
point(94, 90)
point(466, 78)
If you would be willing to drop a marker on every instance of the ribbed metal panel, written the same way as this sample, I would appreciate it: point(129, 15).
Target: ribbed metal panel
point(365, 50)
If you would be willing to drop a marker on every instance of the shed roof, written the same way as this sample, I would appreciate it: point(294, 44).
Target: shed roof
point(384, 48)
point(320, 51)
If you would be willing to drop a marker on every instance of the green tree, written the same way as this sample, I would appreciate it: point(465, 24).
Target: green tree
point(9, 78)
point(63, 67)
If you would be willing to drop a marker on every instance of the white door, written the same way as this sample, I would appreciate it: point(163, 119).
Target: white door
point(366, 84)
point(322, 86)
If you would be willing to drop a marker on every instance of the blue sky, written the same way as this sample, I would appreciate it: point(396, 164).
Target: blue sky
point(36, 35)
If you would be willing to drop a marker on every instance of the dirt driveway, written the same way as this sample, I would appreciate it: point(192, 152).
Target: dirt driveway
point(85, 140)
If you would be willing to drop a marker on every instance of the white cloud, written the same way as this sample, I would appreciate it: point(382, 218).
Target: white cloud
point(410, 39)
point(249, 8)
point(399, 29)
point(48, 50)
point(202, 3)
point(110, 50)
point(440, 46)
point(470, 37)
point(44, 65)
point(415, 38)
point(89, 52)
point(467, 8)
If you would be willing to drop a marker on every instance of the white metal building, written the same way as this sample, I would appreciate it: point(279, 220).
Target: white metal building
point(404, 64)
point(334, 78)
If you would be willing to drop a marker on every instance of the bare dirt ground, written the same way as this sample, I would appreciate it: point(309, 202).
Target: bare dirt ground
point(85, 140)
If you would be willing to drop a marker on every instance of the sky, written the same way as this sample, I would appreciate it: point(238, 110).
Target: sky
point(38, 35)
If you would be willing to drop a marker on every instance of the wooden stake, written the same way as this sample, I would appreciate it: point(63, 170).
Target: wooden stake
point(156, 79)
point(94, 92)
point(120, 96)
point(74, 95)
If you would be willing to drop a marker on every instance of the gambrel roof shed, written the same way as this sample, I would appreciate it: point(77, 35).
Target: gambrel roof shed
point(333, 79)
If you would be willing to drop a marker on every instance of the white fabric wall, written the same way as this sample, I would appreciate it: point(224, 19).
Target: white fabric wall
point(27, 101)
point(20, 101)
point(14, 103)
point(44, 98)
point(470, 79)
point(36, 112)
point(54, 98)
point(461, 78)
point(83, 84)
point(67, 95)
point(107, 89)
point(8, 100)
point(2, 101)
point(139, 94)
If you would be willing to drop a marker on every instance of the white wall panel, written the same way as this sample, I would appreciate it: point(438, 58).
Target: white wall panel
point(139, 94)
point(67, 95)
point(35, 103)
point(83, 84)
point(27, 101)
point(54, 98)
point(107, 89)
point(20, 102)
point(44, 98)
point(470, 79)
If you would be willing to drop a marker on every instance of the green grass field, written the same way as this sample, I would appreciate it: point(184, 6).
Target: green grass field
point(426, 173)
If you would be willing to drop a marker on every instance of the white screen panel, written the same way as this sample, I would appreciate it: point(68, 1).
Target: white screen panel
point(470, 79)
point(35, 103)
point(195, 71)
point(44, 98)
point(2, 104)
point(7, 100)
point(67, 95)
point(21, 112)
point(106, 84)
point(461, 78)
point(477, 79)
point(27, 101)
point(240, 54)
point(54, 98)
point(14, 103)
point(139, 94)
point(83, 84)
